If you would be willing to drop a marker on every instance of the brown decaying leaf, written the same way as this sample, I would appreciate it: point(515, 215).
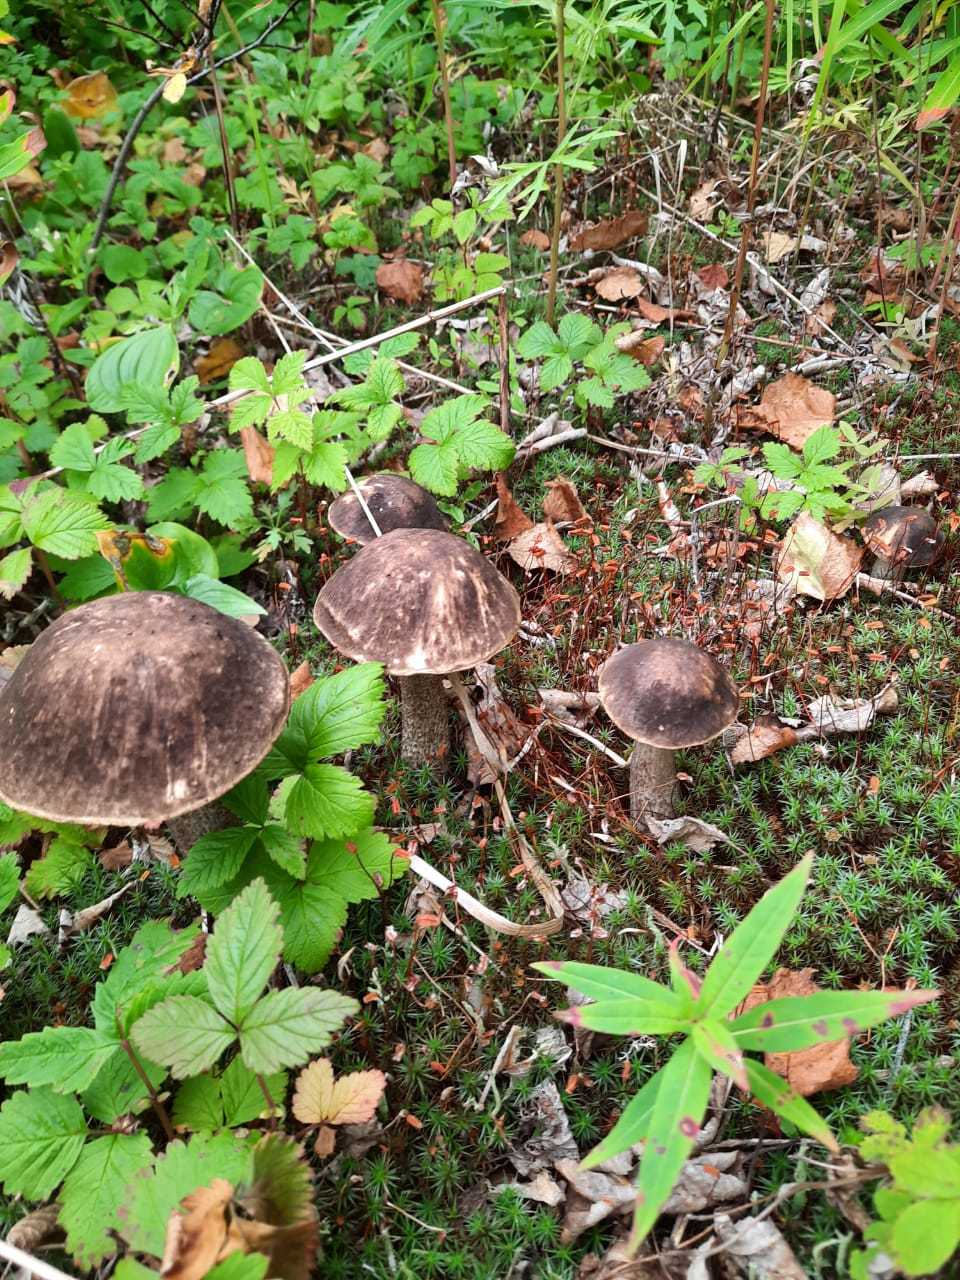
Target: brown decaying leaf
point(793, 408)
point(350, 1099)
point(326, 1142)
point(401, 280)
point(646, 350)
point(813, 1070)
point(510, 519)
point(259, 454)
point(763, 738)
point(816, 561)
point(197, 1233)
point(702, 202)
point(611, 233)
point(562, 502)
point(90, 96)
point(777, 245)
point(115, 859)
point(192, 959)
point(536, 239)
point(821, 318)
point(714, 275)
point(300, 680)
point(38, 1228)
point(541, 547)
point(620, 283)
point(8, 259)
point(219, 360)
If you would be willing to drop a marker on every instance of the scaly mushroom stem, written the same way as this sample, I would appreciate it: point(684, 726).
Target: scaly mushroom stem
point(653, 776)
point(188, 828)
point(425, 737)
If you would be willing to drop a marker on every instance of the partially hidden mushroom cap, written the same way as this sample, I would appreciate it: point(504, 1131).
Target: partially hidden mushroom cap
point(905, 536)
point(419, 601)
point(667, 693)
point(395, 503)
point(136, 708)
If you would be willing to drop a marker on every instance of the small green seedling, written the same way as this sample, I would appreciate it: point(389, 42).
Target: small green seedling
point(667, 1113)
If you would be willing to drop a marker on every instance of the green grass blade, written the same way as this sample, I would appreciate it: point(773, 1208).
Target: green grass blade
point(630, 1128)
point(773, 1091)
point(717, 1047)
point(752, 945)
point(799, 1022)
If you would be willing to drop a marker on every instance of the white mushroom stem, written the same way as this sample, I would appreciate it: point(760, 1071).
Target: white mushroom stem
point(653, 776)
point(425, 717)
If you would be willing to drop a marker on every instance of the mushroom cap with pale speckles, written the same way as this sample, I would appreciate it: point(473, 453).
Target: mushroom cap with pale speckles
point(667, 693)
point(906, 536)
point(136, 708)
point(395, 503)
point(421, 602)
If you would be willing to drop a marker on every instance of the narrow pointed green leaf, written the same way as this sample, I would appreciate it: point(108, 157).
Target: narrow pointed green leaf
point(631, 1128)
point(673, 1127)
point(797, 1022)
point(716, 1045)
point(600, 983)
point(243, 951)
point(774, 1092)
point(752, 945)
point(627, 1017)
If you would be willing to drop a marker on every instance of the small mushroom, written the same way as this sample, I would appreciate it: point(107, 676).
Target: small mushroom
point(137, 708)
point(902, 538)
point(425, 604)
point(665, 694)
point(394, 502)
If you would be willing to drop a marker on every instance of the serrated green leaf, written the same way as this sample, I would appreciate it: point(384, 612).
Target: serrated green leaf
point(248, 374)
point(337, 713)
point(66, 1058)
point(925, 1235)
point(118, 1090)
point(9, 879)
point(325, 800)
point(222, 492)
point(286, 1027)
point(59, 870)
point(215, 858)
point(113, 482)
point(73, 449)
point(281, 1189)
point(41, 1136)
point(577, 333)
point(155, 442)
point(287, 379)
point(94, 1190)
point(774, 1092)
point(324, 465)
point(199, 1105)
point(293, 425)
point(63, 523)
point(632, 1126)
point(539, 341)
point(799, 1022)
point(240, 1266)
point(153, 949)
point(184, 1033)
point(243, 951)
point(555, 372)
point(284, 849)
point(824, 443)
point(435, 467)
point(752, 945)
point(484, 447)
point(15, 570)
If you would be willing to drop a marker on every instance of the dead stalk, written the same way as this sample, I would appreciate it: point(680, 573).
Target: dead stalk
point(557, 169)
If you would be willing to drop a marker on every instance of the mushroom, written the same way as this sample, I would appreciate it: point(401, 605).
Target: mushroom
point(394, 502)
point(425, 604)
point(137, 708)
point(902, 538)
point(665, 694)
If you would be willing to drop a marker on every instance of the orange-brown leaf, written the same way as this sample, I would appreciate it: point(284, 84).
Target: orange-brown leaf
point(350, 1099)
point(510, 519)
point(89, 97)
point(401, 280)
point(611, 233)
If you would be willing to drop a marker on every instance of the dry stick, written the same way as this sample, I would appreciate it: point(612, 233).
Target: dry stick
point(361, 345)
point(751, 190)
point(29, 1264)
point(558, 168)
point(225, 152)
point(474, 907)
point(439, 25)
point(504, 366)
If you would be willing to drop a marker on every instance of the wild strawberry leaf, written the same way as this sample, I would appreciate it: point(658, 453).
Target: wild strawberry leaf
point(41, 1137)
point(243, 951)
point(94, 1190)
point(349, 1099)
point(284, 1027)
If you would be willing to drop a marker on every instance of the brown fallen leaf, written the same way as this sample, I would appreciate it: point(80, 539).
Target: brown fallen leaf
point(90, 96)
point(300, 680)
point(194, 175)
point(115, 859)
point(763, 738)
point(777, 245)
point(821, 318)
point(620, 283)
point(192, 959)
point(807, 1071)
point(349, 1099)
point(174, 151)
point(646, 350)
point(793, 408)
point(656, 314)
point(562, 502)
point(541, 547)
point(36, 1229)
point(377, 149)
point(326, 1142)
point(219, 360)
point(536, 239)
point(504, 732)
point(259, 454)
point(9, 257)
point(197, 1233)
point(611, 233)
point(817, 562)
point(714, 276)
point(511, 520)
point(401, 280)
point(702, 201)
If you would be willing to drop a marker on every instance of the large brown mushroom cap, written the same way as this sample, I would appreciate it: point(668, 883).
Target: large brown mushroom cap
point(395, 503)
point(667, 693)
point(905, 536)
point(421, 602)
point(136, 708)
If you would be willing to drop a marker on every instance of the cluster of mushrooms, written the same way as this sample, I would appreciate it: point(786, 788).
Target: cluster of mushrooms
point(143, 708)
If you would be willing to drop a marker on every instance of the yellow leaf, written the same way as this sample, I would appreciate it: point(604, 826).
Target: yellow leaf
point(90, 96)
point(175, 87)
point(352, 1099)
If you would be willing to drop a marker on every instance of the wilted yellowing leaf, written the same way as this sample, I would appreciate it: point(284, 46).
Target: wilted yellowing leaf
point(89, 97)
point(319, 1099)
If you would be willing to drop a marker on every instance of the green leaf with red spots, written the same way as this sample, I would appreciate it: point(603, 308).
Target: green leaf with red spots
point(798, 1022)
point(630, 1128)
point(627, 1017)
point(772, 1091)
point(673, 1127)
point(717, 1047)
point(752, 945)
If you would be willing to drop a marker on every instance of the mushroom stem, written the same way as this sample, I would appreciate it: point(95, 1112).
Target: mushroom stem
point(187, 828)
point(425, 737)
point(886, 569)
point(653, 776)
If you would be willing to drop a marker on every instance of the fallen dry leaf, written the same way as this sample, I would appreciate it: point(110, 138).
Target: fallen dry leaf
point(9, 257)
point(562, 502)
point(300, 680)
point(693, 832)
point(510, 520)
point(816, 561)
point(377, 149)
point(326, 1142)
point(26, 923)
point(763, 738)
point(219, 360)
point(543, 1189)
point(620, 283)
point(541, 547)
point(647, 350)
point(504, 732)
point(702, 201)
point(350, 1099)
point(71, 924)
point(592, 1196)
point(611, 233)
point(536, 239)
point(756, 1247)
point(544, 1132)
point(777, 245)
point(115, 859)
point(38, 1228)
point(401, 280)
point(197, 1233)
point(174, 151)
point(821, 318)
point(259, 455)
point(90, 96)
point(807, 1071)
point(793, 408)
point(714, 276)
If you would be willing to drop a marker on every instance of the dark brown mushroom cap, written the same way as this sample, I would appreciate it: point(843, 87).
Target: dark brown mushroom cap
point(905, 536)
point(667, 693)
point(395, 503)
point(419, 601)
point(136, 708)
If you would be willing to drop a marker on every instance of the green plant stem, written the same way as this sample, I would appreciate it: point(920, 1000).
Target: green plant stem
point(271, 1105)
point(558, 169)
point(158, 1108)
point(439, 23)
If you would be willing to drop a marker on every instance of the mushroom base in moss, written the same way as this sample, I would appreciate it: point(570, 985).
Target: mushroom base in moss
point(425, 734)
point(653, 779)
point(188, 828)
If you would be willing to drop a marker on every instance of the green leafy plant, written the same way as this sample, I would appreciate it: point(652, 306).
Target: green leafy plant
point(667, 1113)
point(53, 521)
point(458, 439)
